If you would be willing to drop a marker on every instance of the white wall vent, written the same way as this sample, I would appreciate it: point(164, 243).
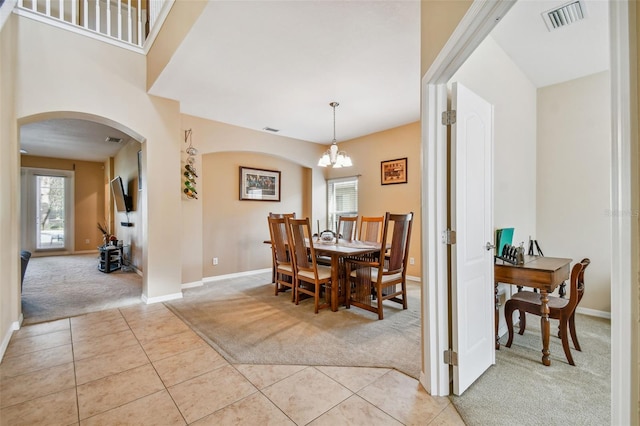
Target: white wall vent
point(564, 15)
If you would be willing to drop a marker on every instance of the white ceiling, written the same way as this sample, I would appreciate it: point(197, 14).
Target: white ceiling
point(279, 64)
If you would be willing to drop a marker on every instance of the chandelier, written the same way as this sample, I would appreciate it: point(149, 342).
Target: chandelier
point(333, 156)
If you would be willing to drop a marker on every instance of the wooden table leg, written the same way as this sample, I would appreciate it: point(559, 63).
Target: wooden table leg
point(335, 283)
point(497, 314)
point(545, 326)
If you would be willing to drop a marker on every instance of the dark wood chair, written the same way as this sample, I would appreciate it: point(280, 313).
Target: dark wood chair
point(370, 228)
point(380, 277)
point(283, 271)
point(310, 278)
point(561, 309)
point(273, 251)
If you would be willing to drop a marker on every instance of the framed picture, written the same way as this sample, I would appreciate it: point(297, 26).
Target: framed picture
point(140, 170)
point(259, 184)
point(393, 171)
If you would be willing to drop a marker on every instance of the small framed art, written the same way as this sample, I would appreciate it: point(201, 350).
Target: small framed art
point(259, 184)
point(393, 171)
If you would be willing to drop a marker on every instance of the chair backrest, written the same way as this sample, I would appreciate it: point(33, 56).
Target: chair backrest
point(278, 232)
point(347, 226)
point(303, 253)
point(576, 287)
point(282, 215)
point(370, 228)
point(283, 225)
point(398, 227)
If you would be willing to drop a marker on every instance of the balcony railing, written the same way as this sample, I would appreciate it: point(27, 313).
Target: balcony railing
point(128, 21)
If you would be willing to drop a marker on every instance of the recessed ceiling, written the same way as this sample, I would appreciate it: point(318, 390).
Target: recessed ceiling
point(73, 139)
point(278, 64)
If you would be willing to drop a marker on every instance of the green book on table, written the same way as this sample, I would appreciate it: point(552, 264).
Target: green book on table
point(503, 236)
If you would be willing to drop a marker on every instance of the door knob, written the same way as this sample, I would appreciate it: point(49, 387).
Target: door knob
point(489, 246)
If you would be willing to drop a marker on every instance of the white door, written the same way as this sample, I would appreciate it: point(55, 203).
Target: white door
point(472, 289)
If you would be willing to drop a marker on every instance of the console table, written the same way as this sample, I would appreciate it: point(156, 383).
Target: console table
point(543, 273)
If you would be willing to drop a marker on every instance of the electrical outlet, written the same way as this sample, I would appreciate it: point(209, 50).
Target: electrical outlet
point(412, 261)
point(215, 260)
point(87, 241)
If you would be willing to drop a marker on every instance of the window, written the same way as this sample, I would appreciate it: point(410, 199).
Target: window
point(342, 199)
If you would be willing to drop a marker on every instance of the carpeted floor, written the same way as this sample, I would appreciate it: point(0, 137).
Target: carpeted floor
point(248, 324)
point(65, 286)
point(522, 391)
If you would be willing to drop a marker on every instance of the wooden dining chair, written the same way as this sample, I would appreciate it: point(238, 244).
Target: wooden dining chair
point(273, 251)
point(347, 227)
point(370, 228)
point(380, 277)
point(310, 278)
point(559, 308)
point(284, 274)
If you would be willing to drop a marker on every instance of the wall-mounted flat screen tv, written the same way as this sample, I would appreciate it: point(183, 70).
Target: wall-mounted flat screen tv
point(124, 203)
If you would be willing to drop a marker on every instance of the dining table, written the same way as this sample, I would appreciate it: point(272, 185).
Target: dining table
point(339, 250)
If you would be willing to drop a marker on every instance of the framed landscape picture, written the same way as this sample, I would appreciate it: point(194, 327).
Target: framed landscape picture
point(259, 184)
point(393, 171)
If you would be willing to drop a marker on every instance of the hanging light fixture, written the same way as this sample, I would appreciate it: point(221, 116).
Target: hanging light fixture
point(334, 157)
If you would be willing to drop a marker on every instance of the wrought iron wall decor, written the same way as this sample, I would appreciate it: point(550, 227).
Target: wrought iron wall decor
point(190, 173)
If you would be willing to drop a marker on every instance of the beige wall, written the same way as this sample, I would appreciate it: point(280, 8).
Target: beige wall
point(110, 87)
point(573, 201)
point(375, 199)
point(438, 19)
point(126, 166)
point(9, 182)
point(88, 193)
point(210, 137)
point(234, 231)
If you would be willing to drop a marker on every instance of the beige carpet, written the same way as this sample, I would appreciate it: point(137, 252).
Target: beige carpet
point(519, 390)
point(248, 324)
point(65, 286)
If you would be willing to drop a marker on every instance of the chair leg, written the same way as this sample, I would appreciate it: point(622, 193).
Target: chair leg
point(296, 283)
point(572, 329)
point(508, 316)
point(404, 295)
point(380, 313)
point(316, 297)
point(565, 341)
point(523, 322)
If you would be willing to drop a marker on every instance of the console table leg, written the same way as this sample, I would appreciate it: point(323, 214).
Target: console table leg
point(545, 327)
point(497, 313)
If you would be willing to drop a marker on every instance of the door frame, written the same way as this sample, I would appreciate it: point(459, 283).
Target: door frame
point(477, 23)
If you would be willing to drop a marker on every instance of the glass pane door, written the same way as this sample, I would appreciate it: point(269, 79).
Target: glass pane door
point(50, 207)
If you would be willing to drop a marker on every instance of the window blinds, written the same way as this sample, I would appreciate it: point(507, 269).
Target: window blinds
point(342, 199)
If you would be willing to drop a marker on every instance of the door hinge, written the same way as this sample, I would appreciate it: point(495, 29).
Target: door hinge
point(449, 237)
point(450, 357)
point(448, 117)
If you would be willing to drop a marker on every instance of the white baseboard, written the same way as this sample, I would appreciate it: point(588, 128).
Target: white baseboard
point(165, 298)
point(236, 275)
point(7, 335)
point(593, 313)
point(412, 278)
point(192, 284)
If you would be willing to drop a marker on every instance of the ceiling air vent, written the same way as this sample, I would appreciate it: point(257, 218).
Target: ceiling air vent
point(113, 140)
point(564, 15)
point(270, 129)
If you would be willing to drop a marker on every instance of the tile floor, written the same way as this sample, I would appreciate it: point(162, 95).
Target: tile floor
point(143, 365)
